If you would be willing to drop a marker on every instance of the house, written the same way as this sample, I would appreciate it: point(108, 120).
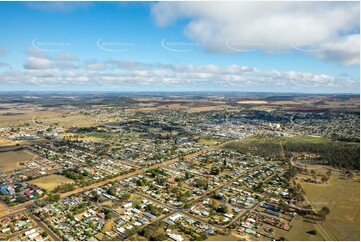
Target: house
point(205, 213)
point(175, 217)
point(127, 205)
point(175, 237)
point(149, 215)
point(121, 230)
point(210, 231)
point(33, 235)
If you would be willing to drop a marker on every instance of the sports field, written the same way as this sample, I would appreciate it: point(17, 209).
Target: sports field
point(51, 181)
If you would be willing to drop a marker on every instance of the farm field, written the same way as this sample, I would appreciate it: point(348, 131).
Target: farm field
point(253, 102)
point(51, 181)
point(9, 160)
point(342, 197)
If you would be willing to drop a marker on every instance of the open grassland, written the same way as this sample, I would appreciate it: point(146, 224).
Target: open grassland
point(7, 142)
point(306, 139)
point(50, 182)
point(68, 120)
point(83, 137)
point(342, 197)
point(10, 160)
point(209, 142)
point(300, 231)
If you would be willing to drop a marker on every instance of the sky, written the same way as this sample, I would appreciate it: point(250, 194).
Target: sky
point(309, 47)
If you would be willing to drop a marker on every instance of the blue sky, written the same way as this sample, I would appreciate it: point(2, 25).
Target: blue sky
point(179, 46)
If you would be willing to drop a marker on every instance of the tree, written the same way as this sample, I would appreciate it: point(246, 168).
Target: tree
point(54, 197)
point(325, 178)
point(222, 209)
point(314, 175)
point(325, 210)
point(313, 232)
point(350, 175)
point(214, 170)
point(328, 173)
point(215, 204)
point(323, 213)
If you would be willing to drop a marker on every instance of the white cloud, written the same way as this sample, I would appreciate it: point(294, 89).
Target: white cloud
point(267, 26)
point(39, 59)
point(37, 63)
point(115, 74)
point(346, 50)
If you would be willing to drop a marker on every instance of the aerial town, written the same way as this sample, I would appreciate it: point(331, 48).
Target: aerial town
point(143, 120)
point(179, 167)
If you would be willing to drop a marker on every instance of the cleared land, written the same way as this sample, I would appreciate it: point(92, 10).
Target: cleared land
point(7, 142)
point(10, 160)
point(342, 197)
point(51, 181)
point(300, 230)
point(253, 102)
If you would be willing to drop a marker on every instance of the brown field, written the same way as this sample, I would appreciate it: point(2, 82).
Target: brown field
point(7, 142)
point(253, 102)
point(209, 142)
point(10, 160)
point(285, 103)
point(3, 208)
point(222, 238)
point(73, 136)
point(50, 182)
point(342, 197)
point(299, 231)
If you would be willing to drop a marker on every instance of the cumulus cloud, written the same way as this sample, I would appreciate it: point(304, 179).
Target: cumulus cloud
point(345, 50)
point(39, 59)
point(37, 63)
point(46, 71)
point(268, 26)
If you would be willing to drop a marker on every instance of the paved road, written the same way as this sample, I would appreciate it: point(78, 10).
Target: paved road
point(45, 227)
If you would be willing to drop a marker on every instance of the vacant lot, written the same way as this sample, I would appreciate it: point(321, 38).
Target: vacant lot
point(342, 197)
point(50, 182)
point(10, 160)
point(300, 230)
point(209, 142)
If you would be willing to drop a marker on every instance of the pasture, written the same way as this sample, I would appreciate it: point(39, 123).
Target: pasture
point(342, 197)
